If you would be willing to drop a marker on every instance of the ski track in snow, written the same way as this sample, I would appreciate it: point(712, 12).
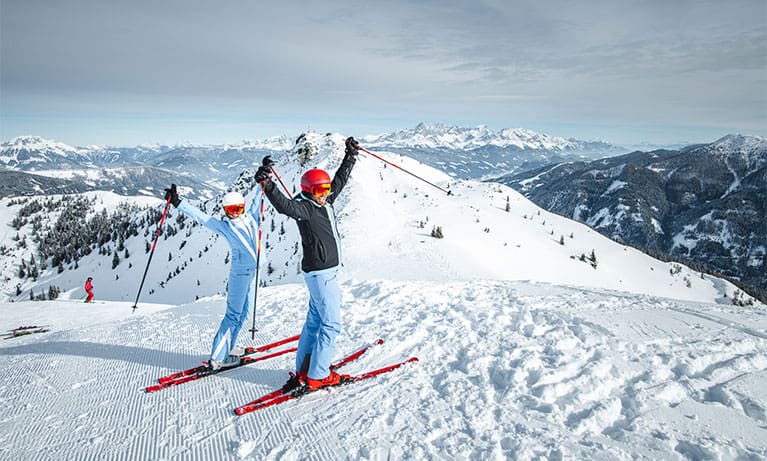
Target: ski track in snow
point(508, 370)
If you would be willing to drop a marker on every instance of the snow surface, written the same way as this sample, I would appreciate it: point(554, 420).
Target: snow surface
point(508, 370)
point(526, 351)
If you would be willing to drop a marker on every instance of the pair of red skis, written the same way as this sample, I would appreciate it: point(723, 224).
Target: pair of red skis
point(283, 394)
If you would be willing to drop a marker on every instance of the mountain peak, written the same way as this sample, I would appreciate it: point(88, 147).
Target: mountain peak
point(26, 139)
point(739, 142)
point(30, 142)
point(441, 136)
point(34, 152)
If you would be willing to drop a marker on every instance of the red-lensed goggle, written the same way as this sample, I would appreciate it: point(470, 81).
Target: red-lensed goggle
point(234, 210)
point(320, 190)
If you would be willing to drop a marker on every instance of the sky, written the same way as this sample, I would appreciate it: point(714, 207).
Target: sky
point(125, 73)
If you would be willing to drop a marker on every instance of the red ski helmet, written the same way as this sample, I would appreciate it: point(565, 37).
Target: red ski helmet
point(312, 178)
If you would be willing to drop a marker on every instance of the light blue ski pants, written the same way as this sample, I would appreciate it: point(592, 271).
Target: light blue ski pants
point(238, 302)
point(323, 323)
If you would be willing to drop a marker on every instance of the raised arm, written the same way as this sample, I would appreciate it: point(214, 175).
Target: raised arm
point(294, 208)
point(345, 170)
point(185, 207)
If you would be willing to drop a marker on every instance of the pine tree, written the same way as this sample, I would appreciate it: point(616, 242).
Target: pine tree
point(115, 260)
point(593, 259)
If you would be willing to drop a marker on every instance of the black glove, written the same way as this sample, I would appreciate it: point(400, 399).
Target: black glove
point(263, 174)
point(172, 194)
point(351, 147)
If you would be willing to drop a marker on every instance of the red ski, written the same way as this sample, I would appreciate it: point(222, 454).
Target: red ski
point(344, 361)
point(248, 351)
point(291, 385)
point(283, 395)
point(201, 371)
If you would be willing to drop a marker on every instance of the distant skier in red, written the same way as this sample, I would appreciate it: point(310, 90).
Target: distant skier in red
point(89, 289)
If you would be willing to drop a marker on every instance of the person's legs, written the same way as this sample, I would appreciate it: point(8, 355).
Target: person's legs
point(236, 300)
point(247, 302)
point(308, 335)
point(326, 298)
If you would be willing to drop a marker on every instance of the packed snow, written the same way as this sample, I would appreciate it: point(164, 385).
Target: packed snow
point(508, 370)
point(527, 350)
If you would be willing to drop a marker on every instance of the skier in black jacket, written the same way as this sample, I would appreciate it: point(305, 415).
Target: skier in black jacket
point(314, 214)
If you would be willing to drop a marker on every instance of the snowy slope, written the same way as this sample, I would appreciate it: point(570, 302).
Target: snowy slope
point(508, 370)
point(526, 351)
point(386, 218)
point(381, 214)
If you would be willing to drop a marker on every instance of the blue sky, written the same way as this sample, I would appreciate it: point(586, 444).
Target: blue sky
point(124, 73)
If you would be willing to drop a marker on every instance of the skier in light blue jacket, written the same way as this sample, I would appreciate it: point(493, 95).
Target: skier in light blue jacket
point(241, 231)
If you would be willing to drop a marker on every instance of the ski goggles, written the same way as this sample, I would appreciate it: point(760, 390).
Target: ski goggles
point(320, 190)
point(234, 210)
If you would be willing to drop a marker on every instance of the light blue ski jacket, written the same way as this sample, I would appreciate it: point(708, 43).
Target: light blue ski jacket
point(241, 233)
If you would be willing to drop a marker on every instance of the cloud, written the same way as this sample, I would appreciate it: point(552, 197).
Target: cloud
point(649, 61)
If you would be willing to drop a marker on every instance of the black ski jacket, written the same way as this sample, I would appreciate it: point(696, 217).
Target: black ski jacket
point(317, 224)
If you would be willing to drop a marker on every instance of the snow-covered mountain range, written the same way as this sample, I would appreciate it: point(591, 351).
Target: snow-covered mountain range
point(538, 336)
point(704, 203)
point(33, 153)
point(460, 152)
point(386, 217)
point(480, 152)
point(440, 136)
point(209, 168)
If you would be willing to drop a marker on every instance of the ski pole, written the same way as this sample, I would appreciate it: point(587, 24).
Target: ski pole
point(258, 262)
point(267, 161)
point(151, 253)
point(402, 169)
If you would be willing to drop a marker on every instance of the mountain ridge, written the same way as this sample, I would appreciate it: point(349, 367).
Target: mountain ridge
point(441, 136)
point(384, 216)
point(703, 203)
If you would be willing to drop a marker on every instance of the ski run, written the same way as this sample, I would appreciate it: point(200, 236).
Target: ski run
point(507, 370)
